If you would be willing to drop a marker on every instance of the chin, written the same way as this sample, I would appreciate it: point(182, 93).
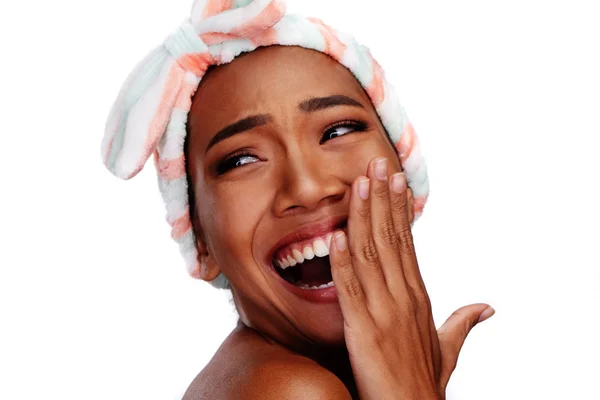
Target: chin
point(326, 330)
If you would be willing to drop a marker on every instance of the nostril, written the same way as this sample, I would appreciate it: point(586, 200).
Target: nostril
point(307, 189)
point(310, 206)
point(334, 198)
point(337, 196)
point(292, 210)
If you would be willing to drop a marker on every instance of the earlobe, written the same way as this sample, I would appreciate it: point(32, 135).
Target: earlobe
point(410, 205)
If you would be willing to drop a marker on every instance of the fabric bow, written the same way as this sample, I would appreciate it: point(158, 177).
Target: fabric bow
point(167, 78)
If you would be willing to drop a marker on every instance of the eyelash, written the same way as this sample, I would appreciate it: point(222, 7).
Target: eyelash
point(231, 161)
point(357, 126)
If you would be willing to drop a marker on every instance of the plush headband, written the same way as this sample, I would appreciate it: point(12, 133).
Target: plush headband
point(150, 113)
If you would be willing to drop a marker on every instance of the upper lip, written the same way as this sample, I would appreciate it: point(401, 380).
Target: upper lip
point(309, 230)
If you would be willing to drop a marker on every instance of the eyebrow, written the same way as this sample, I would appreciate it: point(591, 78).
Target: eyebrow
point(253, 121)
point(321, 103)
point(240, 126)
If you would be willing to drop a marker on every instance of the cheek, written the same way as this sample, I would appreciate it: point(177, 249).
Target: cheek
point(231, 222)
point(356, 161)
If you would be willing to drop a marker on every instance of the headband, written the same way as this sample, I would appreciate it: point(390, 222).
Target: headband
point(150, 113)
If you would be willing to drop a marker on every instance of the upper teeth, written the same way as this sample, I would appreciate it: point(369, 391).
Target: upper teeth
point(298, 252)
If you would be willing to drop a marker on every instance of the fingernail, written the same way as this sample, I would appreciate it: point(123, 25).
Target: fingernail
point(363, 189)
point(486, 314)
point(340, 241)
point(381, 169)
point(398, 182)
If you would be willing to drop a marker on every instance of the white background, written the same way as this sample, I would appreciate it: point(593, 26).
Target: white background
point(94, 299)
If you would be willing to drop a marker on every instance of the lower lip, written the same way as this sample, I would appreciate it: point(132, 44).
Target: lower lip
point(325, 295)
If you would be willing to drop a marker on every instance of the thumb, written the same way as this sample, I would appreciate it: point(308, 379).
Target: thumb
point(453, 333)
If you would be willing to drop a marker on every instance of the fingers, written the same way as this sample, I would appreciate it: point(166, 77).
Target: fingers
point(404, 279)
point(410, 266)
point(453, 333)
point(361, 244)
point(399, 205)
point(349, 290)
point(384, 231)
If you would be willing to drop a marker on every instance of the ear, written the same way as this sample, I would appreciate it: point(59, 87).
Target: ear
point(410, 205)
point(209, 269)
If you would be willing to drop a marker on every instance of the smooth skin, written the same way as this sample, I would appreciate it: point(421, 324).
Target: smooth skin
point(301, 160)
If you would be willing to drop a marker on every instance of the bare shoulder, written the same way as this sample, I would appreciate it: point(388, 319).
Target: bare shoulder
point(245, 367)
point(290, 379)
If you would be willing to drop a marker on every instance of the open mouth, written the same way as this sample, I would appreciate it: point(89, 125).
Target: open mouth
point(306, 264)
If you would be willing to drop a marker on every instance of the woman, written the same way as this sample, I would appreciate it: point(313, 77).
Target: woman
point(291, 177)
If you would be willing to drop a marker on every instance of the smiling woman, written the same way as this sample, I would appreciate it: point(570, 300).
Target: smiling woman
point(270, 197)
point(291, 177)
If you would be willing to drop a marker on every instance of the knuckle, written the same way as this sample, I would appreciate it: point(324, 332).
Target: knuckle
point(407, 304)
point(352, 289)
point(392, 320)
point(457, 314)
point(399, 202)
point(364, 214)
point(387, 233)
point(403, 304)
point(380, 191)
point(405, 238)
point(343, 264)
point(368, 251)
point(421, 302)
point(466, 323)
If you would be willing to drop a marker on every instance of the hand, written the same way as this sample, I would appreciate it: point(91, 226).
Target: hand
point(390, 335)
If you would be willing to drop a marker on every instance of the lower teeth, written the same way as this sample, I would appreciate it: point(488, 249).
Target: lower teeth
point(305, 286)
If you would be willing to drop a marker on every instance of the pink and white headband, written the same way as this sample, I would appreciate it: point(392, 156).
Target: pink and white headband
point(150, 113)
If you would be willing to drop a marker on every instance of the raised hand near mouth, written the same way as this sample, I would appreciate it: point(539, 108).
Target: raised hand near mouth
point(394, 348)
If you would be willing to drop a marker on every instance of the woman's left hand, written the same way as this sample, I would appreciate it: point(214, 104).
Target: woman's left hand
point(394, 348)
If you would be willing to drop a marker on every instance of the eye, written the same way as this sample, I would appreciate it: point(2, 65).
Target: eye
point(235, 160)
point(342, 128)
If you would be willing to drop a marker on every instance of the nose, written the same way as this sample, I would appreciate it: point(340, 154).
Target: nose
point(307, 182)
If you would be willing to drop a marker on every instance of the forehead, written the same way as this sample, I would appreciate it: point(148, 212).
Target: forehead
point(268, 79)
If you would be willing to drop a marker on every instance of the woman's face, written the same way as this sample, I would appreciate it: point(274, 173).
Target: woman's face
point(276, 139)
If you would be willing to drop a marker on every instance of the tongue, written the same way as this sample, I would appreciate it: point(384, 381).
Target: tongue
point(316, 272)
